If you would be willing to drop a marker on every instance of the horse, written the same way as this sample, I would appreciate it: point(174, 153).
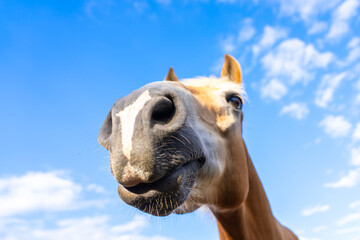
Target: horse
point(177, 145)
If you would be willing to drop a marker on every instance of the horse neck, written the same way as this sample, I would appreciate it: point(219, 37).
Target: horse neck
point(252, 219)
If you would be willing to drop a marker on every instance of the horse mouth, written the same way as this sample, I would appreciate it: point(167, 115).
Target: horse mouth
point(164, 195)
point(174, 174)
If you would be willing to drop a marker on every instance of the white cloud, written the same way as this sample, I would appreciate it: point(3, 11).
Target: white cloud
point(341, 18)
point(315, 209)
point(39, 191)
point(355, 204)
point(320, 228)
point(318, 140)
point(327, 87)
point(354, 42)
point(306, 238)
point(349, 180)
point(307, 10)
point(54, 191)
point(273, 89)
point(357, 99)
point(343, 231)
point(348, 219)
point(137, 223)
point(232, 42)
point(96, 188)
point(317, 27)
point(356, 134)
point(335, 126)
point(293, 61)
point(354, 54)
point(355, 156)
point(247, 31)
point(354, 51)
point(228, 45)
point(90, 228)
point(270, 36)
point(295, 110)
point(357, 84)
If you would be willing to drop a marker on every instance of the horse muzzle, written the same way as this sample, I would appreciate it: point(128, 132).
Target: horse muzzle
point(155, 154)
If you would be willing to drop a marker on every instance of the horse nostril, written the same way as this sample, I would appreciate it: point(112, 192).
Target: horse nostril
point(163, 111)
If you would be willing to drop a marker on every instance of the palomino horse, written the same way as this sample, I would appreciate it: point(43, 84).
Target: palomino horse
point(175, 146)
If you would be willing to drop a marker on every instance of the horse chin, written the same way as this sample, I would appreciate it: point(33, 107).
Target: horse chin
point(162, 197)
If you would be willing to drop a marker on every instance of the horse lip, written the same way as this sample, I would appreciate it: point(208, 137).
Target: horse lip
point(162, 196)
point(145, 187)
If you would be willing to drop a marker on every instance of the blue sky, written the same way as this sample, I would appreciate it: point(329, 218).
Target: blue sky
point(64, 63)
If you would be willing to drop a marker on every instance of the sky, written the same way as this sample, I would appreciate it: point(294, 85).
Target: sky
point(64, 63)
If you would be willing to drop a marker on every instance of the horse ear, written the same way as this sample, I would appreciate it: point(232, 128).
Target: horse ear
point(231, 69)
point(171, 76)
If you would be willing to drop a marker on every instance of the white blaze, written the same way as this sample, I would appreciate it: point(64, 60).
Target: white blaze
point(127, 118)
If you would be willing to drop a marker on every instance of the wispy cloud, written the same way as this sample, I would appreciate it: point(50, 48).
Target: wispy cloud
point(228, 44)
point(357, 71)
point(96, 188)
point(247, 30)
point(335, 126)
point(355, 204)
point(320, 228)
point(357, 86)
point(54, 191)
point(356, 134)
point(307, 238)
point(355, 156)
point(273, 89)
point(293, 61)
point(91, 228)
point(349, 230)
point(327, 87)
point(295, 110)
point(351, 179)
point(317, 27)
point(341, 18)
point(316, 209)
point(41, 191)
point(270, 36)
point(354, 50)
point(357, 99)
point(234, 41)
point(348, 219)
point(307, 10)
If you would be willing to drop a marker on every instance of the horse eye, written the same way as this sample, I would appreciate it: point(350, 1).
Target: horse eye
point(236, 102)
